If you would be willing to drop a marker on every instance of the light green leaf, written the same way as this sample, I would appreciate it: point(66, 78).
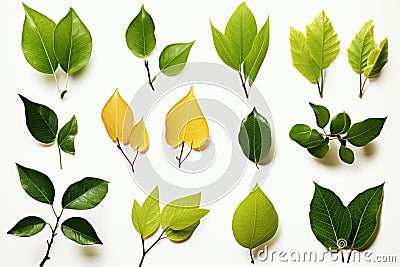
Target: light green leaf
point(346, 154)
point(181, 235)
point(322, 41)
point(225, 49)
point(72, 43)
point(365, 210)
point(255, 137)
point(305, 136)
point(322, 115)
point(135, 216)
point(363, 132)
point(360, 47)
point(377, 59)
point(321, 150)
point(340, 124)
point(38, 41)
point(80, 231)
point(36, 184)
point(28, 226)
point(330, 220)
point(174, 57)
point(66, 136)
point(85, 194)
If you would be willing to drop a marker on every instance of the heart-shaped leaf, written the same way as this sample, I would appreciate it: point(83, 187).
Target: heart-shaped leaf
point(174, 57)
point(66, 136)
point(28, 226)
point(321, 114)
point(363, 132)
point(360, 47)
point(80, 231)
point(139, 139)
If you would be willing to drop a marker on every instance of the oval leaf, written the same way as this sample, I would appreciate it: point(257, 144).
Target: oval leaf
point(139, 139)
point(174, 57)
point(181, 235)
point(305, 136)
point(321, 150)
point(225, 49)
point(321, 114)
point(377, 59)
point(66, 136)
point(28, 226)
point(346, 154)
point(340, 124)
point(80, 231)
point(363, 132)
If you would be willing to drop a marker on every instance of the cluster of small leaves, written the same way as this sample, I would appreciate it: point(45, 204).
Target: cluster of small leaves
point(255, 220)
point(359, 134)
point(178, 219)
point(83, 195)
point(365, 57)
point(241, 47)
point(141, 41)
point(46, 44)
point(339, 227)
point(42, 123)
point(315, 51)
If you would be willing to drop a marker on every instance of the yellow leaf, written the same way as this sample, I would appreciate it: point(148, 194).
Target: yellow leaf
point(185, 122)
point(117, 117)
point(139, 137)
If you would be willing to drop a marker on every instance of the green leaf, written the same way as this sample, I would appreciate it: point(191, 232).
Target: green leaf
point(340, 124)
point(36, 184)
point(255, 137)
point(363, 132)
point(66, 136)
point(322, 41)
point(135, 216)
point(38, 41)
point(85, 194)
point(360, 47)
point(364, 210)
point(321, 150)
point(256, 56)
point(301, 58)
point(321, 114)
point(181, 235)
point(28, 226)
point(330, 219)
point(377, 59)
point(241, 30)
point(225, 49)
point(255, 220)
point(72, 43)
point(41, 121)
point(174, 57)
point(140, 36)
point(346, 154)
point(80, 231)
point(305, 136)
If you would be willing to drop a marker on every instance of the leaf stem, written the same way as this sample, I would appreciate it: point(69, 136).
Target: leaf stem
point(321, 89)
point(341, 252)
point(251, 256)
point(126, 157)
point(66, 86)
point(59, 155)
point(146, 64)
point(349, 256)
point(144, 251)
point(180, 160)
point(243, 84)
point(55, 78)
point(155, 76)
point(362, 87)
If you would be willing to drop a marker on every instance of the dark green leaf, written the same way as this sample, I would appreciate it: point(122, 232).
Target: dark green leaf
point(377, 59)
point(340, 124)
point(346, 154)
point(321, 150)
point(41, 121)
point(28, 226)
point(321, 114)
point(174, 57)
point(305, 136)
point(225, 49)
point(363, 132)
point(80, 231)
point(36, 184)
point(181, 235)
point(66, 136)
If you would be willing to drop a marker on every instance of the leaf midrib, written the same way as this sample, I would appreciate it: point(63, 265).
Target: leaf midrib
point(37, 188)
point(329, 214)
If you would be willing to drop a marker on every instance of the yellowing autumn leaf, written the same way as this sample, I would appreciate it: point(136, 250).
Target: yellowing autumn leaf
point(139, 138)
point(185, 122)
point(117, 117)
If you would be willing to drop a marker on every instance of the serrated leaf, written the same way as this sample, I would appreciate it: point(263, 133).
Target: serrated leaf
point(377, 59)
point(85, 194)
point(365, 210)
point(36, 184)
point(340, 124)
point(181, 235)
point(322, 41)
point(346, 154)
point(140, 36)
point(305, 136)
point(42, 122)
point(28, 226)
point(330, 220)
point(322, 115)
point(80, 231)
point(363, 132)
point(38, 41)
point(225, 49)
point(321, 150)
point(255, 137)
point(66, 136)
point(174, 57)
point(72, 43)
point(139, 139)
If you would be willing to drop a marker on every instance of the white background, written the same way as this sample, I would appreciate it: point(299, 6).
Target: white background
point(289, 184)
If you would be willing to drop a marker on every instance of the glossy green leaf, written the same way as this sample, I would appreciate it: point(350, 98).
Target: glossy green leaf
point(363, 132)
point(322, 41)
point(225, 49)
point(305, 136)
point(66, 136)
point(255, 137)
point(72, 43)
point(322, 115)
point(377, 59)
point(28, 226)
point(181, 235)
point(140, 36)
point(174, 57)
point(346, 154)
point(41, 121)
point(36, 184)
point(330, 219)
point(360, 47)
point(321, 150)
point(85, 194)
point(38, 41)
point(80, 231)
point(365, 211)
point(340, 124)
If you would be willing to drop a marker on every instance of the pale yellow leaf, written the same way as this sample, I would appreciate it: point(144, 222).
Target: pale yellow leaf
point(139, 138)
point(185, 122)
point(117, 117)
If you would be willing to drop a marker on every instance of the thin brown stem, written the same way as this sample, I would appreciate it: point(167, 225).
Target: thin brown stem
point(341, 252)
point(349, 256)
point(321, 91)
point(146, 64)
point(243, 84)
point(145, 251)
point(180, 160)
point(362, 87)
point(126, 157)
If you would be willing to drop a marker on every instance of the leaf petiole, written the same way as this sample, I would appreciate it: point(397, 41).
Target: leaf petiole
point(132, 163)
point(243, 81)
point(180, 160)
point(146, 64)
point(59, 155)
point(145, 251)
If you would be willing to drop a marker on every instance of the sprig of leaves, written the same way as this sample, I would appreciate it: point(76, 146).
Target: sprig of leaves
point(141, 41)
point(42, 123)
point(339, 227)
point(315, 51)
point(46, 44)
point(83, 195)
point(359, 134)
point(365, 57)
point(178, 219)
point(241, 47)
